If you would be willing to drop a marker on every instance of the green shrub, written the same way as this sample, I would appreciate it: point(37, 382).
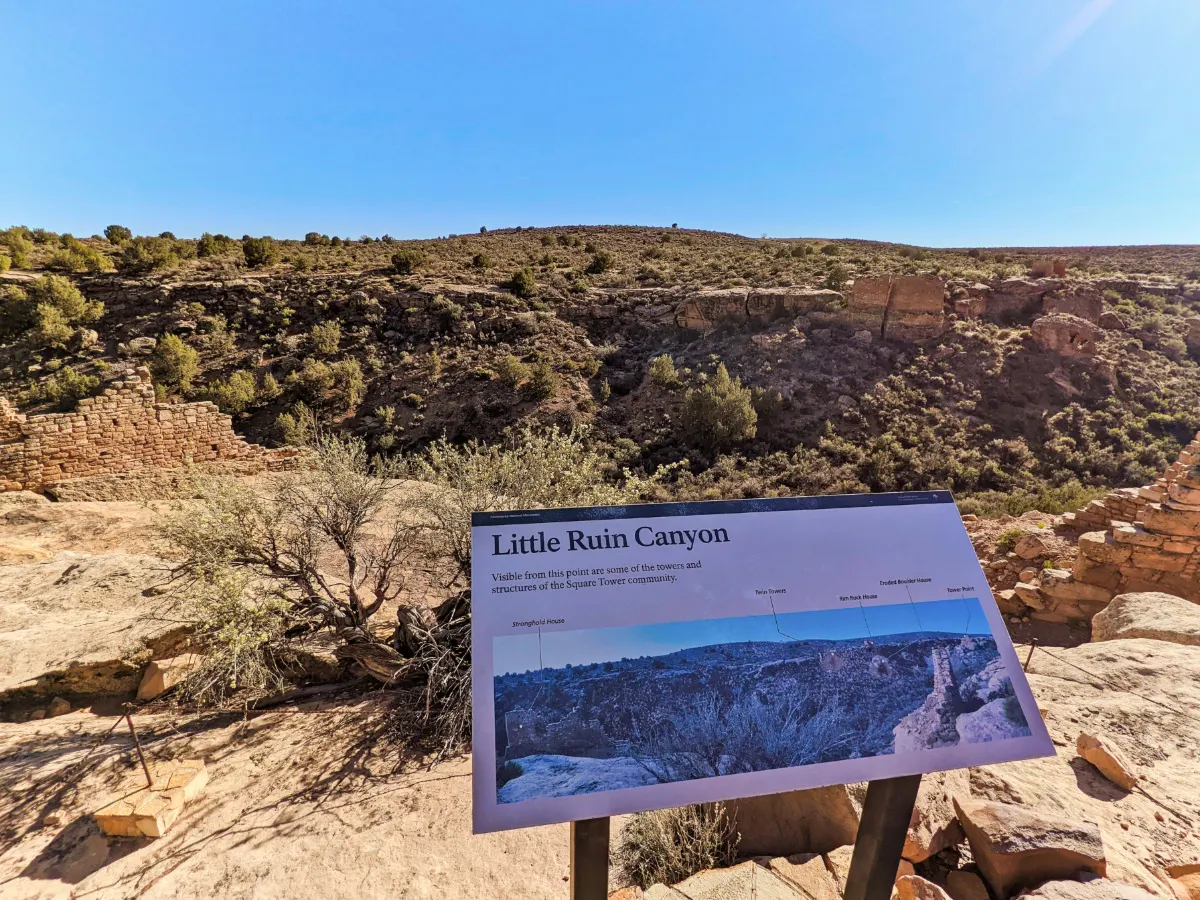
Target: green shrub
point(214, 245)
point(174, 363)
point(522, 283)
point(720, 414)
point(605, 391)
point(312, 380)
point(235, 394)
point(512, 371)
point(601, 262)
point(316, 239)
point(145, 254)
point(5, 262)
point(66, 387)
point(19, 246)
point(297, 427)
point(118, 234)
point(542, 381)
point(261, 251)
point(349, 386)
point(837, 278)
point(481, 261)
point(326, 336)
point(268, 388)
point(83, 259)
point(831, 250)
point(59, 292)
point(407, 261)
point(663, 372)
point(668, 845)
point(1008, 539)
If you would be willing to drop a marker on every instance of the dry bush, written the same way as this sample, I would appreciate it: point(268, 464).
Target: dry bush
point(668, 845)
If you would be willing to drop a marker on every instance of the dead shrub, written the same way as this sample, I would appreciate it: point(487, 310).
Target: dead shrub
point(668, 845)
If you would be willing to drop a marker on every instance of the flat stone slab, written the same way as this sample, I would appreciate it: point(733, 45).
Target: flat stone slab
point(150, 811)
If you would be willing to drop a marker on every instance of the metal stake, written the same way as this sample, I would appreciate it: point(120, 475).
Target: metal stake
point(589, 859)
point(138, 746)
point(887, 810)
point(1032, 647)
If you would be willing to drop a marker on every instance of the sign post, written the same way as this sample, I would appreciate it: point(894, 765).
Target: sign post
point(589, 859)
point(641, 657)
point(882, 829)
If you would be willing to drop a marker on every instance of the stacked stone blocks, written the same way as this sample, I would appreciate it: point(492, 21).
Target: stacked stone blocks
point(123, 430)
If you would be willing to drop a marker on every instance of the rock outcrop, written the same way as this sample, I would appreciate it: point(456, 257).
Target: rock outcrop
point(1066, 334)
point(1151, 614)
point(1016, 847)
point(813, 821)
point(122, 430)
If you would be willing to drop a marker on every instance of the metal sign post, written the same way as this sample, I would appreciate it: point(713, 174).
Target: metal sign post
point(589, 859)
point(880, 842)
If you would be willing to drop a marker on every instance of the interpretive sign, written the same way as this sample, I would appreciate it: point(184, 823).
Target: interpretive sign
point(638, 657)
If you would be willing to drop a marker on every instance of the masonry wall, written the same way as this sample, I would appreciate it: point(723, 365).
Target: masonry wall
point(123, 430)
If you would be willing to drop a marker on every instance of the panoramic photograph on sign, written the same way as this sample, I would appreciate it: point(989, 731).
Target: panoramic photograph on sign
point(629, 658)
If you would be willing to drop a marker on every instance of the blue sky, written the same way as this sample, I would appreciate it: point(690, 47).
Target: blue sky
point(938, 122)
point(519, 653)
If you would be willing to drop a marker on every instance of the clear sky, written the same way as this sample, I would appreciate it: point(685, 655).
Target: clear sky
point(519, 653)
point(936, 122)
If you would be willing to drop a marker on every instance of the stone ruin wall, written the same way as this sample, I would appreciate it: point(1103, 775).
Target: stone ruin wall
point(1135, 539)
point(903, 307)
point(124, 430)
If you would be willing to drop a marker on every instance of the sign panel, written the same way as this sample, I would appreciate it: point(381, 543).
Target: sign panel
point(639, 657)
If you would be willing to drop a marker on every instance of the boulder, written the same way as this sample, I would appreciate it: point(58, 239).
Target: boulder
point(1066, 335)
point(933, 826)
point(807, 875)
point(142, 346)
point(59, 706)
point(1016, 847)
point(662, 892)
point(163, 674)
point(1031, 546)
point(837, 861)
point(1153, 615)
point(1091, 889)
point(1106, 757)
point(747, 879)
point(914, 887)
point(812, 821)
point(963, 885)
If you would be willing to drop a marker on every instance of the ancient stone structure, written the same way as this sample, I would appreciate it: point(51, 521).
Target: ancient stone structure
point(1146, 539)
point(1066, 334)
point(123, 430)
point(527, 734)
point(1085, 304)
point(705, 309)
point(903, 307)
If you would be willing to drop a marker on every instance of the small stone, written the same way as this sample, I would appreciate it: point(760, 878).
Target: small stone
point(58, 707)
point(52, 820)
point(1108, 759)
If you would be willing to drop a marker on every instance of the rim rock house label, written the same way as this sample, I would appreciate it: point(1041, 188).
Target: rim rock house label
point(639, 657)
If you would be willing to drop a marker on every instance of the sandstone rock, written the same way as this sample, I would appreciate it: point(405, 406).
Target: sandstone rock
point(58, 707)
point(837, 861)
point(662, 892)
point(1031, 546)
point(1016, 847)
point(1085, 304)
point(1058, 584)
point(1110, 321)
point(1091, 889)
point(1153, 615)
point(806, 873)
point(812, 821)
point(963, 885)
point(1066, 335)
point(150, 811)
point(747, 879)
point(163, 674)
point(633, 892)
point(933, 826)
point(1029, 594)
point(914, 887)
point(868, 302)
point(1108, 759)
point(142, 346)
